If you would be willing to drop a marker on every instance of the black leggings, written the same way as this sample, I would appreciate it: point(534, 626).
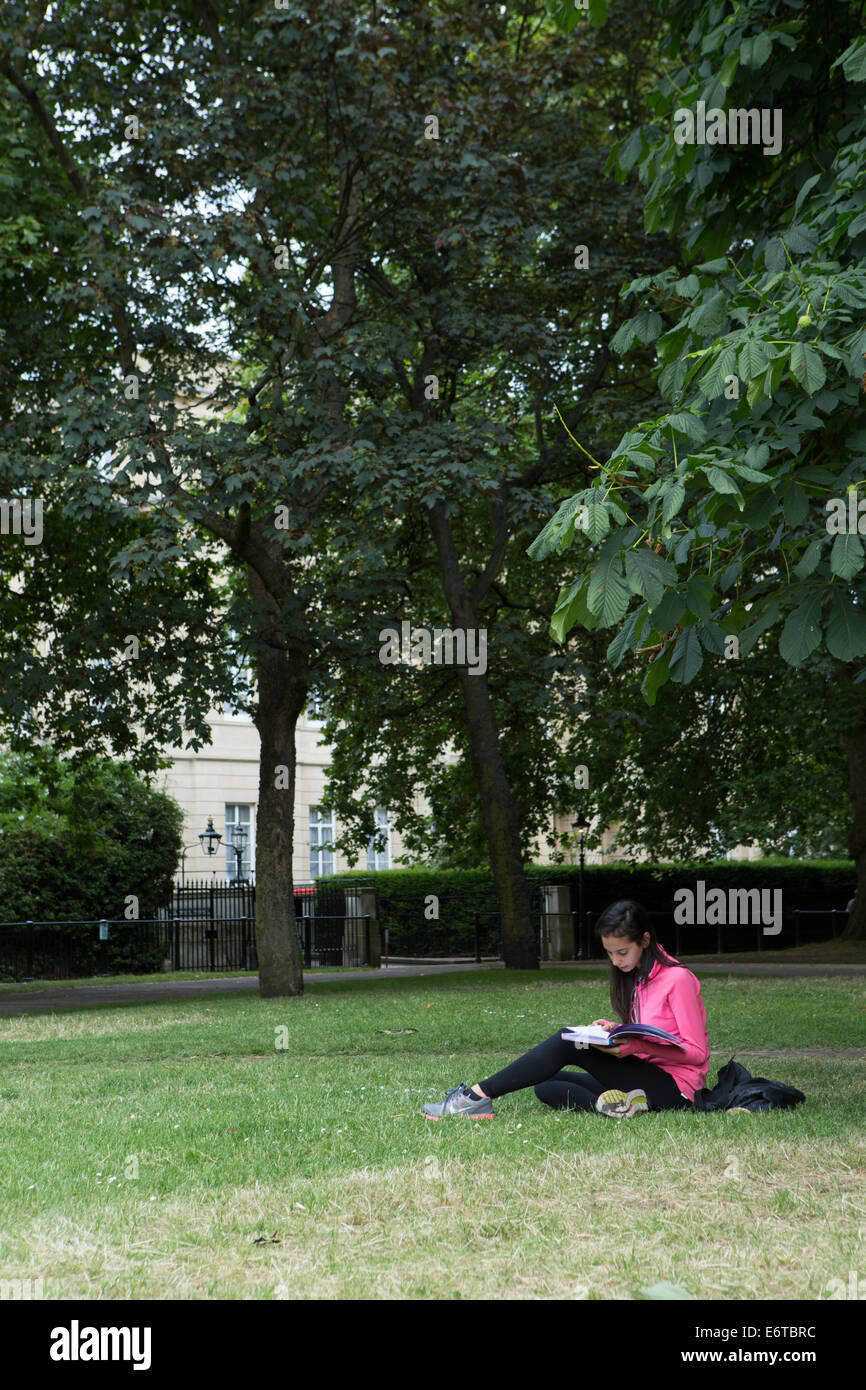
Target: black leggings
point(568, 1090)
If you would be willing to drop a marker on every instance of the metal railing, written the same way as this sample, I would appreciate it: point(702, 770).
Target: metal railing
point(719, 932)
point(33, 949)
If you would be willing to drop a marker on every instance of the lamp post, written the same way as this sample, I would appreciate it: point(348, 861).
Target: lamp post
point(580, 824)
point(240, 836)
point(210, 839)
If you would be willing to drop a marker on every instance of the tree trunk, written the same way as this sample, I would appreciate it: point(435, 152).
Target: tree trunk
point(855, 744)
point(499, 807)
point(281, 687)
point(280, 702)
point(501, 825)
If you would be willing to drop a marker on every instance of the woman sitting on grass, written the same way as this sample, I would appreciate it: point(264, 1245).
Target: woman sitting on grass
point(647, 986)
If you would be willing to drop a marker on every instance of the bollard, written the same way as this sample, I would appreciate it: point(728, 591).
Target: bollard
point(103, 946)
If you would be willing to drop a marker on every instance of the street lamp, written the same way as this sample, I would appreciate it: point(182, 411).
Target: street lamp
point(580, 824)
point(240, 835)
point(210, 839)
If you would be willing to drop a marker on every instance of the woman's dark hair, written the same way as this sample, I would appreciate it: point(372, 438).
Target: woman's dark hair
point(631, 921)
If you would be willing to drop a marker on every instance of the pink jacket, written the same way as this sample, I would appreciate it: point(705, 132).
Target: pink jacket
point(671, 999)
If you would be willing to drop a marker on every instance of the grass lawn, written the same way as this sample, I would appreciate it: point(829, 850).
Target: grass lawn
point(157, 977)
point(179, 1150)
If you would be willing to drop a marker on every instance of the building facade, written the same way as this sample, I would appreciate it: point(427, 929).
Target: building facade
point(221, 783)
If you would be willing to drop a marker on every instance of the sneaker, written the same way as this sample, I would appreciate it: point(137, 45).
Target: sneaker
point(621, 1106)
point(460, 1100)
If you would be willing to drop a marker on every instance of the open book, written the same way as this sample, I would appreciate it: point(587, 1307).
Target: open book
point(592, 1035)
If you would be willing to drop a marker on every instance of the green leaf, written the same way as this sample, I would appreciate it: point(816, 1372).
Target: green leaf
point(752, 360)
point(687, 287)
point(857, 226)
point(853, 61)
point(624, 336)
point(795, 505)
point(669, 345)
point(597, 521)
point(701, 597)
point(807, 368)
point(722, 482)
point(558, 529)
point(647, 574)
point(846, 557)
point(750, 635)
point(846, 627)
point(627, 637)
point(656, 676)
point(571, 610)
point(808, 562)
point(712, 637)
point(752, 475)
point(729, 67)
point(687, 658)
point(800, 239)
point(714, 380)
point(806, 189)
point(690, 425)
point(712, 315)
point(631, 150)
point(667, 614)
point(674, 498)
point(647, 326)
point(608, 595)
point(801, 634)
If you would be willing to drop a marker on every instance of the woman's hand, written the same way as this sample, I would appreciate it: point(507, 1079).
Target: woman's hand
point(616, 1051)
point(602, 1023)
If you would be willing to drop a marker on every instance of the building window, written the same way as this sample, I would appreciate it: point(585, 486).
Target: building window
point(240, 816)
point(379, 848)
point(321, 842)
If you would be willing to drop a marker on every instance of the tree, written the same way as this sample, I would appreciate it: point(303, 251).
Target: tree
point(247, 281)
point(718, 515)
point(491, 364)
point(118, 839)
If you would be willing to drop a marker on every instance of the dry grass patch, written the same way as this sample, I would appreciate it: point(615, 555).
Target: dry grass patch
point(765, 1222)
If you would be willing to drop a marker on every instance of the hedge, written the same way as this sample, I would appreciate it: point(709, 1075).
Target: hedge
point(402, 894)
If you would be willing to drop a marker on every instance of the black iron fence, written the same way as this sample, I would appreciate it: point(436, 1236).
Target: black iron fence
point(211, 926)
point(207, 925)
point(800, 927)
point(80, 947)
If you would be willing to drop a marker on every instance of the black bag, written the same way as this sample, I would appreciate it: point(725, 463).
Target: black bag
point(737, 1087)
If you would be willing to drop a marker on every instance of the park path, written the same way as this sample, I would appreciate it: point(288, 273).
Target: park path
point(52, 999)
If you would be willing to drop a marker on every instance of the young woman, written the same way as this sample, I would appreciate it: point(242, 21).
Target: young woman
point(646, 986)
